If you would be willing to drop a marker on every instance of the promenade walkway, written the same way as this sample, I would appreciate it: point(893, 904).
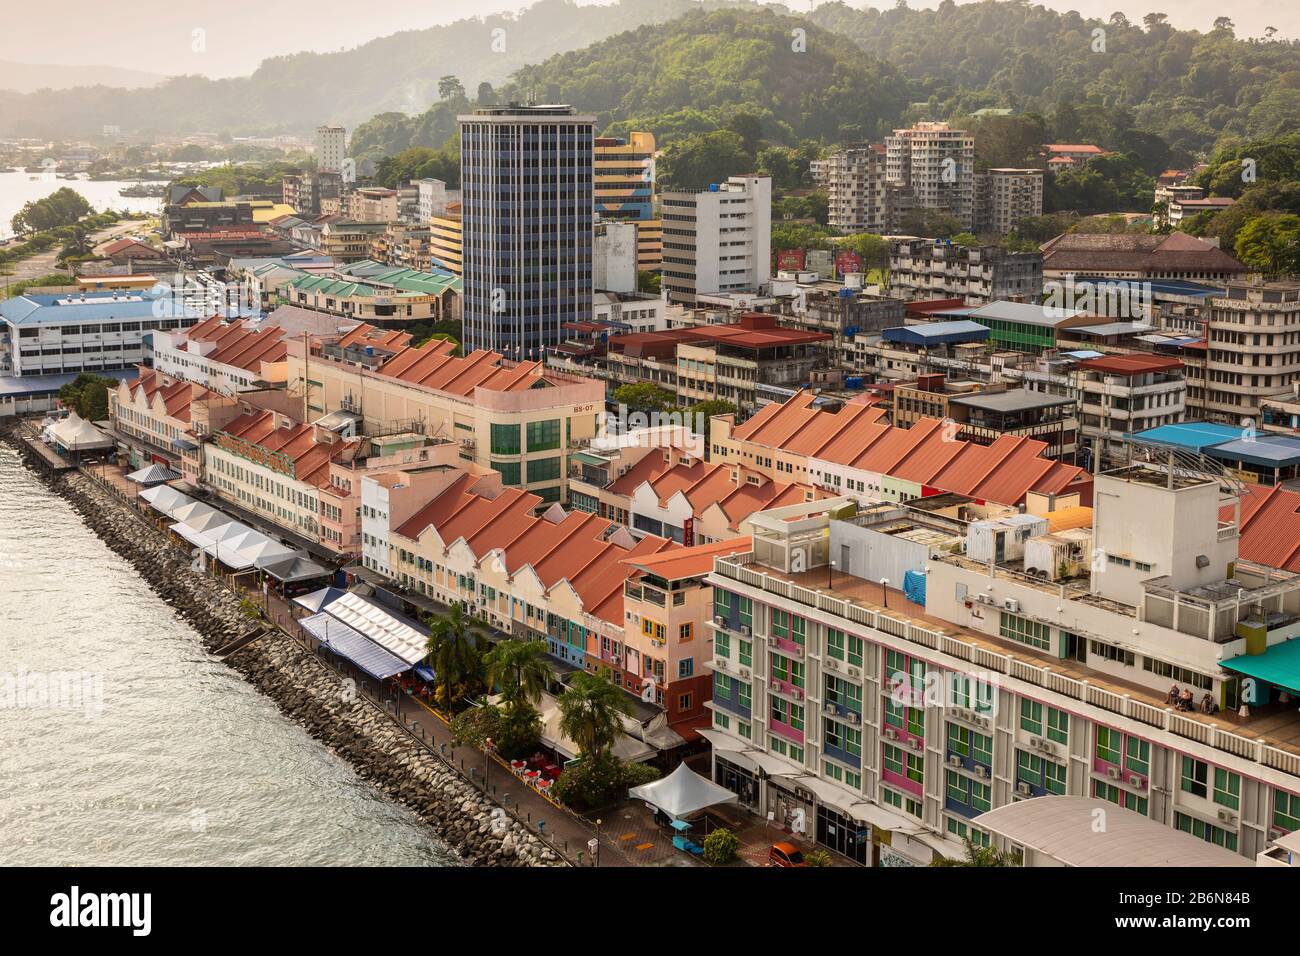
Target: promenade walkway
point(628, 838)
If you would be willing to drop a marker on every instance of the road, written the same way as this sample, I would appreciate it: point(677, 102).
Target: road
point(42, 264)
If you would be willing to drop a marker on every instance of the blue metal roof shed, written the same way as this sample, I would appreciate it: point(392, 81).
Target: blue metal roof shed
point(1194, 436)
point(937, 333)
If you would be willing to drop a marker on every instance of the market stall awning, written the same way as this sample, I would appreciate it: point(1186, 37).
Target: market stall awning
point(760, 760)
point(1279, 665)
point(375, 622)
point(292, 569)
point(153, 475)
point(682, 793)
point(357, 648)
point(164, 499)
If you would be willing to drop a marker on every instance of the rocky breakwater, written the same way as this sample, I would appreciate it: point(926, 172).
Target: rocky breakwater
point(325, 704)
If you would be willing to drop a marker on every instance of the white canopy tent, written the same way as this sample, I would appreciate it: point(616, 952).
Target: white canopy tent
point(74, 433)
point(153, 475)
point(164, 499)
point(682, 793)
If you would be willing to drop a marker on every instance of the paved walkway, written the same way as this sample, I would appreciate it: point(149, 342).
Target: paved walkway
point(43, 263)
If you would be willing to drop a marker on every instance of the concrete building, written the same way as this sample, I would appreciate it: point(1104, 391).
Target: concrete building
point(447, 240)
point(1004, 196)
point(624, 190)
point(855, 181)
point(434, 198)
point(1133, 256)
point(526, 187)
point(935, 269)
point(1120, 395)
point(1252, 349)
point(225, 357)
point(884, 725)
point(68, 331)
point(331, 147)
point(370, 291)
point(614, 256)
point(717, 241)
point(519, 419)
point(936, 166)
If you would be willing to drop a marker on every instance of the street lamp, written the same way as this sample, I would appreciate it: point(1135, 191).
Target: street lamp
point(830, 575)
point(884, 592)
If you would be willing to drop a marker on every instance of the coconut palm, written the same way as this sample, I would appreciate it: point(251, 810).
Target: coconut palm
point(453, 650)
point(589, 713)
point(519, 669)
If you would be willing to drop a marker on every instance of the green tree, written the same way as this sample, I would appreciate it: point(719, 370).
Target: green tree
point(519, 669)
point(590, 713)
point(704, 411)
point(645, 397)
point(1271, 243)
point(87, 395)
point(720, 846)
point(702, 159)
point(648, 282)
point(977, 855)
point(454, 652)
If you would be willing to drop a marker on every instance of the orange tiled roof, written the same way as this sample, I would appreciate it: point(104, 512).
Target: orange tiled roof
point(925, 454)
point(575, 549)
point(690, 562)
point(310, 458)
point(433, 366)
point(1270, 526)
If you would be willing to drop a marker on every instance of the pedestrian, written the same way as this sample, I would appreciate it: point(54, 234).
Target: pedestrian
point(1173, 694)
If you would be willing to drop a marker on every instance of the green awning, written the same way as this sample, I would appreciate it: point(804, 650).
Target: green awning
point(1279, 665)
point(587, 458)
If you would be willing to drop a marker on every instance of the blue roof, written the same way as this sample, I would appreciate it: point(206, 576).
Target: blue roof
point(1278, 665)
point(1228, 443)
point(1191, 435)
point(935, 333)
point(1084, 354)
point(353, 645)
point(63, 309)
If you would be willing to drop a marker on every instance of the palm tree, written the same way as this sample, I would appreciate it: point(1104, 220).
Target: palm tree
point(590, 711)
point(977, 855)
point(518, 668)
point(453, 650)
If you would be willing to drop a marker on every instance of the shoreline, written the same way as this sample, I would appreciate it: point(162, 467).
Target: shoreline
point(305, 688)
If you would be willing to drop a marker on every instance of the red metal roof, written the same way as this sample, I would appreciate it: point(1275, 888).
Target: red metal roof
point(1270, 526)
point(1133, 364)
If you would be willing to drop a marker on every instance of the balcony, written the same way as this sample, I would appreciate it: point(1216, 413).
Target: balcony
point(1271, 739)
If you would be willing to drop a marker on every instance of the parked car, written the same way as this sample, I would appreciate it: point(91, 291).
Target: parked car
point(785, 854)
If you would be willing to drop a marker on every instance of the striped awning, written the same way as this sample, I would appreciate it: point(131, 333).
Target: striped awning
point(356, 647)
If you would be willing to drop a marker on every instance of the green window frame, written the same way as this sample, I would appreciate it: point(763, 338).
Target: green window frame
point(895, 713)
point(721, 603)
point(721, 721)
point(1029, 768)
point(721, 686)
point(916, 768)
point(745, 696)
point(746, 653)
point(982, 748)
point(543, 469)
point(1054, 775)
point(835, 643)
point(722, 644)
point(1227, 788)
point(1058, 725)
point(510, 472)
point(1206, 831)
point(1031, 716)
point(1110, 745)
point(855, 650)
point(505, 439)
point(1024, 631)
point(893, 759)
point(959, 739)
point(916, 721)
point(1286, 810)
point(1194, 777)
point(1137, 756)
point(746, 612)
point(544, 436)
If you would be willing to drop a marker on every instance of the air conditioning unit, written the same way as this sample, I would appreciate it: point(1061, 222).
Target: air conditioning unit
point(984, 598)
point(797, 652)
point(854, 717)
point(954, 760)
point(744, 629)
point(1012, 605)
point(983, 722)
point(832, 664)
point(1227, 816)
point(915, 743)
point(796, 693)
point(775, 684)
point(1036, 743)
point(854, 672)
point(719, 620)
point(1113, 773)
point(1023, 789)
point(891, 733)
point(720, 663)
point(981, 772)
point(829, 708)
point(744, 672)
point(1135, 781)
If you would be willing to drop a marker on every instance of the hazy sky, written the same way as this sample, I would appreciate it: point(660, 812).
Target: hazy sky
point(158, 36)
